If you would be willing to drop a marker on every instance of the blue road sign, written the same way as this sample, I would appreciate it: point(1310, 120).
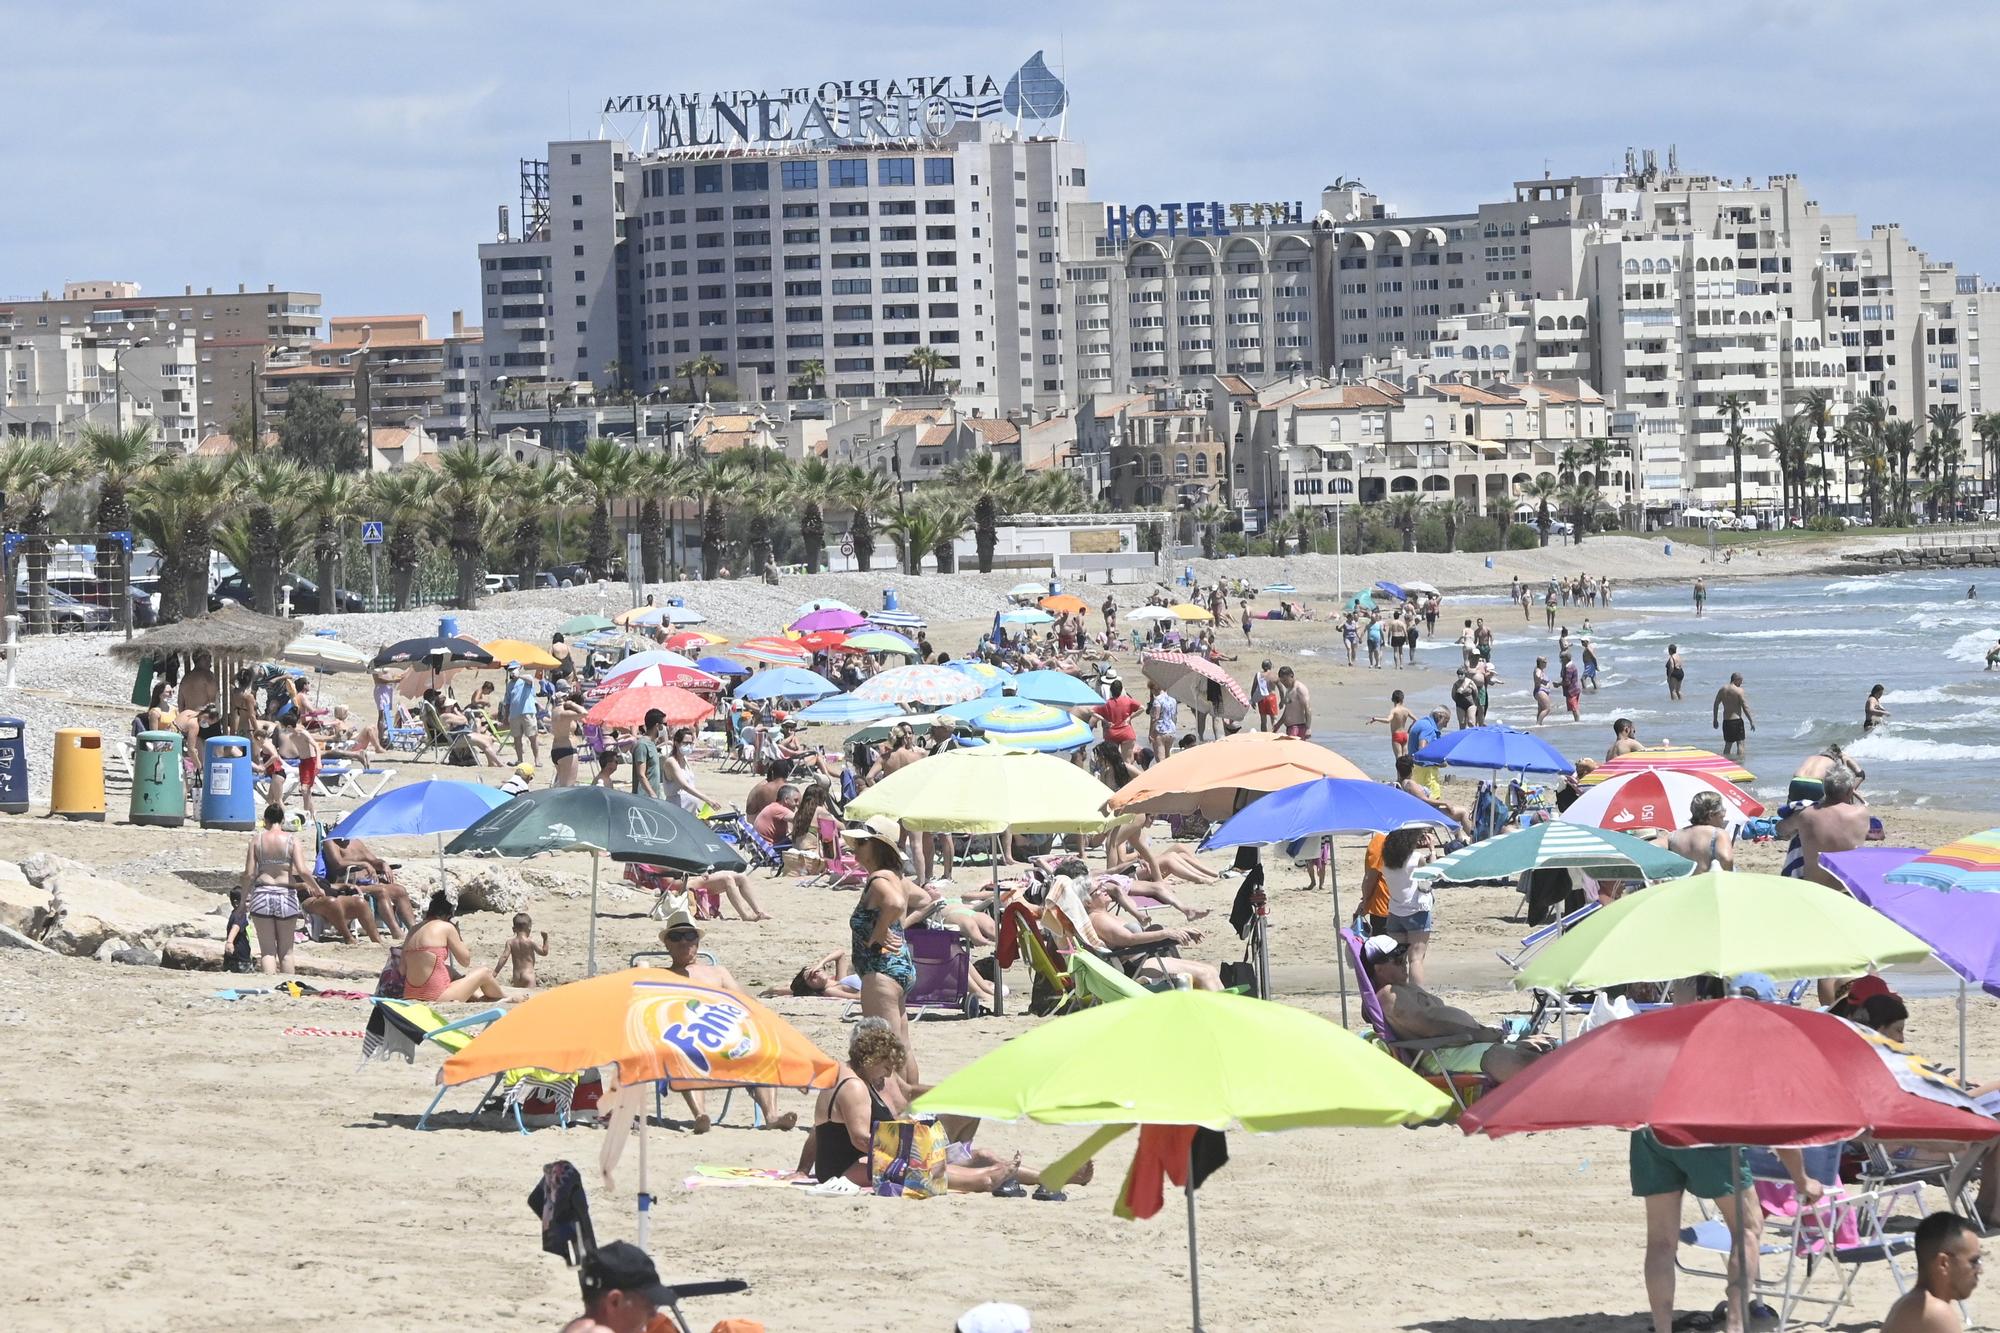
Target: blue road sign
point(371, 532)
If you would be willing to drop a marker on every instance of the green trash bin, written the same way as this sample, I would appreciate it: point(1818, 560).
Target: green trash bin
point(159, 793)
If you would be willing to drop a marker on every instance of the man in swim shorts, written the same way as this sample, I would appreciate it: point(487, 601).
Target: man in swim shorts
point(1731, 712)
point(1399, 719)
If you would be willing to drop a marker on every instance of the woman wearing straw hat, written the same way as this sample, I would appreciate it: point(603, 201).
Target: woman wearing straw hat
point(881, 953)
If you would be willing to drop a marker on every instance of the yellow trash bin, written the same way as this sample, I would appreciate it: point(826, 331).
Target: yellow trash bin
point(78, 786)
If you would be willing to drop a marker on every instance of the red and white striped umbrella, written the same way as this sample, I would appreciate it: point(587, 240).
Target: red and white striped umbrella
point(665, 673)
point(783, 652)
point(1198, 683)
point(1658, 799)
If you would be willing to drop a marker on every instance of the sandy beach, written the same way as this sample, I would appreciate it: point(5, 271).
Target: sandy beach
point(182, 1162)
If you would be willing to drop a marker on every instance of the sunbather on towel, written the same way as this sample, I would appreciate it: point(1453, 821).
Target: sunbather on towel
point(1414, 1013)
point(683, 940)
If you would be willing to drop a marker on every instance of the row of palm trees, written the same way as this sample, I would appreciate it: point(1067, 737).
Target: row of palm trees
point(1884, 448)
point(480, 511)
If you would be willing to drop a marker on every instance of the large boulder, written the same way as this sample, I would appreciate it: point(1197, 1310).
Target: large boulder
point(493, 887)
point(73, 911)
point(188, 954)
point(23, 905)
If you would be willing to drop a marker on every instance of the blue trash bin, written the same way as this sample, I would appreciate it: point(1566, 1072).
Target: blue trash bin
point(228, 784)
point(889, 600)
point(13, 766)
point(448, 626)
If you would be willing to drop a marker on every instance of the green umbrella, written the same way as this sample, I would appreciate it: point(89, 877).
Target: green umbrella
point(1186, 1058)
point(576, 625)
point(1558, 845)
point(876, 732)
point(603, 822)
point(1723, 923)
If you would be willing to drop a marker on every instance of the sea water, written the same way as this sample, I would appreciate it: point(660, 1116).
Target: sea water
point(1809, 648)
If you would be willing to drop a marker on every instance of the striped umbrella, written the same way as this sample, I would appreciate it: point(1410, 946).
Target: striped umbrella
point(1680, 758)
point(637, 662)
point(1558, 845)
point(1027, 725)
point(1188, 678)
point(990, 677)
point(1657, 799)
point(897, 619)
point(784, 652)
point(845, 708)
point(920, 684)
point(662, 673)
point(693, 640)
point(880, 641)
point(1969, 864)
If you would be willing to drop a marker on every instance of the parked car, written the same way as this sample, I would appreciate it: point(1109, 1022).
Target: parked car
point(100, 593)
point(69, 614)
point(235, 589)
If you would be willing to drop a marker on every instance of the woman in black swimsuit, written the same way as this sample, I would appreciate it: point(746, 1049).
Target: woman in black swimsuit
point(1676, 673)
point(845, 1117)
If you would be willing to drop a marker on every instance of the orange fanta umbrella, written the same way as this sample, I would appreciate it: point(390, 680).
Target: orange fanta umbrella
point(1065, 604)
point(1680, 758)
point(1208, 777)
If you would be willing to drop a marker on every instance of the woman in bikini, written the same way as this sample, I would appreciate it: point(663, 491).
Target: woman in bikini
point(1706, 840)
point(1541, 690)
point(881, 954)
point(272, 872)
point(427, 953)
point(564, 719)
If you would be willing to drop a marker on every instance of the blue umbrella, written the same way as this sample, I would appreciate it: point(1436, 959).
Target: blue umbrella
point(1393, 590)
point(1027, 615)
point(847, 708)
point(786, 683)
point(434, 806)
point(1494, 747)
point(1056, 687)
point(896, 619)
point(722, 666)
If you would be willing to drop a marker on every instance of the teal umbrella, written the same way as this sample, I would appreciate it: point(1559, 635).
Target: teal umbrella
point(1558, 845)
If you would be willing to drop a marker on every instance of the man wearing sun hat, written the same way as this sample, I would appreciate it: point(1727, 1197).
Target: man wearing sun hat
point(682, 936)
point(521, 719)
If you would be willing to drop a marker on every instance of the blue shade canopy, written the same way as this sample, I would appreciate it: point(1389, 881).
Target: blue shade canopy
point(1494, 747)
point(846, 708)
point(1027, 725)
point(1056, 687)
point(786, 683)
point(1324, 806)
point(1393, 590)
point(722, 666)
point(436, 806)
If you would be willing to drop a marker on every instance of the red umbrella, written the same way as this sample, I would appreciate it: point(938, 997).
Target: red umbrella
point(1656, 798)
point(818, 639)
point(1682, 1073)
point(688, 641)
point(628, 708)
point(664, 673)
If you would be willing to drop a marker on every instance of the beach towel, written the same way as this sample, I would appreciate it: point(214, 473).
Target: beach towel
point(742, 1177)
point(1069, 913)
point(559, 1200)
point(1162, 1156)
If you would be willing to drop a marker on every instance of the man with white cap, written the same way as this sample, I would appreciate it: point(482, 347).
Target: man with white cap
point(683, 940)
point(994, 1317)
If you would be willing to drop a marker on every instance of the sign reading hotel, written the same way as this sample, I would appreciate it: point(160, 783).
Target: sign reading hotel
point(845, 111)
point(1143, 221)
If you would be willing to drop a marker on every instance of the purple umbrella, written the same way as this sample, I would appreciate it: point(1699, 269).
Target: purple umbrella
point(833, 618)
point(1963, 929)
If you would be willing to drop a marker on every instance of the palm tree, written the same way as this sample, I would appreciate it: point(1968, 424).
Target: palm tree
point(271, 484)
point(927, 362)
point(176, 507)
point(1787, 441)
point(990, 484)
point(403, 498)
point(709, 480)
point(1582, 502)
point(1054, 490)
point(815, 483)
point(116, 458)
point(1544, 490)
point(1899, 440)
point(1208, 521)
point(661, 480)
point(534, 491)
point(1871, 414)
point(914, 529)
point(1816, 410)
point(1567, 462)
point(469, 487)
point(32, 473)
point(1987, 427)
point(1403, 512)
point(1930, 463)
point(1733, 406)
point(951, 515)
point(1945, 421)
point(762, 496)
point(1455, 513)
point(704, 368)
point(603, 473)
point(868, 496)
point(811, 375)
point(1866, 448)
point(331, 498)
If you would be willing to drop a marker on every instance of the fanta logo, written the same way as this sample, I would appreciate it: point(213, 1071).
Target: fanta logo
point(709, 1028)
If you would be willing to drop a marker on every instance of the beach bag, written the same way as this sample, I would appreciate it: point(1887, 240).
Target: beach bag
point(389, 985)
point(908, 1159)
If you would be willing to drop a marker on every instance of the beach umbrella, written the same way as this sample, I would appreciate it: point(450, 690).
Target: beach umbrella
point(1216, 1061)
point(821, 604)
point(652, 657)
point(721, 666)
point(919, 722)
point(1419, 587)
point(659, 615)
point(920, 684)
point(1657, 798)
point(1687, 1074)
point(614, 640)
point(527, 654)
point(1722, 923)
point(1555, 845)
point(1212, 778)
point(1361, 601)
point(626, 709)
point(1679, 758)
point(784, 652)
point(1056, 687)
point(1140, 615)
point(832, 618)
point(786, 683)
point(1065, 604)
point(991, 678)
point(1324, 807)
point(435, 807)
point(577, 625)
point(1962, 929)
point(1495, 747)
point(1285, 589)
point(661, 673)
point(1027, 725)
point(457, 651)
point(657, 1027)
point(328, 656)
point(1198, 683)
point(1026, 615)
point(1030, 590)
point(1393, 590)
point(1970, 864)
point(819, 640)
point(1189, 611)
point(691, 641)
point(897, 619)
point(603, 822)
point(845, 708)
point(880, 641)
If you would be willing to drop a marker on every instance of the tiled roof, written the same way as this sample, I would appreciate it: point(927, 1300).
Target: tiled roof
point(1237, 385)
point(934, 435)
point(992, 429)
point(912, 416)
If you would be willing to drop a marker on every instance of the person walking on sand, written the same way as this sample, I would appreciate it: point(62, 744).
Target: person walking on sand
point(1676, 671)
point(1264, 696)
point(1399, 719)
point(1731, 712)
point(1294, 704)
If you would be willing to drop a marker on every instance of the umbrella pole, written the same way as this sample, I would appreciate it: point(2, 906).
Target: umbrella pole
point(999, 982)
point(645, 1197)
point(1194, 1246)
point(1340, 950)
point(1963, 1077)
point(1739, 1251)
point(593, 935)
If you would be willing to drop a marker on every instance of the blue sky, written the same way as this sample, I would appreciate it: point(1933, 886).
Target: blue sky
point(361, 149)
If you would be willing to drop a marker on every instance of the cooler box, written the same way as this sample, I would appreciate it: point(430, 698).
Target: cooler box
point(78, 788)
point(159, 793)
point(228, 786)
point(13, 766)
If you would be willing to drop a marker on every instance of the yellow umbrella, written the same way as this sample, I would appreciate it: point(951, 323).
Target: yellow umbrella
point(1189, 611)
point(527, 654)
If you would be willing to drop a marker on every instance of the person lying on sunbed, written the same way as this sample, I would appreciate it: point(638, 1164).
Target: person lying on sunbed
point(352, 863)
point(1413, 1014)
point(1117, 933)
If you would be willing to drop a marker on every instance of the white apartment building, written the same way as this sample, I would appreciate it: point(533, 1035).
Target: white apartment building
point(52, 385)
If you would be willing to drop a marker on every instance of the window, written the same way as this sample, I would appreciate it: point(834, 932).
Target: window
point(899, 208)
point(750, 176)
point(940, 206)
point(855, 210)
point(708, 180)
point(799, 176)
point(937, 171)
point(802, 210)
point(852, 286)
point(896, 171)
point(847, 173)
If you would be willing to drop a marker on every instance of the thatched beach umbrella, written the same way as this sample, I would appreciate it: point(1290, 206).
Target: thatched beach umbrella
point(232, 638)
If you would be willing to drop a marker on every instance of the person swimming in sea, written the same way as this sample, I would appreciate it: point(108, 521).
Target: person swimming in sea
point(1993, 654)
point(1873, 714)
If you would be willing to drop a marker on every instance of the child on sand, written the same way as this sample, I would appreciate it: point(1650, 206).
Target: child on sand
point(521, 950)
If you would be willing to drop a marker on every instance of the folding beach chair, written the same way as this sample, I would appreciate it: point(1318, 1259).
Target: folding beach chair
point(452, 741)
point(1464, 1087)
point(406, 735)
point(341, 779)
point(399, 1027)
point(943, 985)
point(1094, 981)
point(735, 830)
point(842, 870)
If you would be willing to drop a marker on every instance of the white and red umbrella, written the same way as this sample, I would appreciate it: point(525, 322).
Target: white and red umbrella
point(664, 673)
point(1658, 798)
point(628, 708)
point(1198, 683)
point(782, 652)
point(918, 684)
